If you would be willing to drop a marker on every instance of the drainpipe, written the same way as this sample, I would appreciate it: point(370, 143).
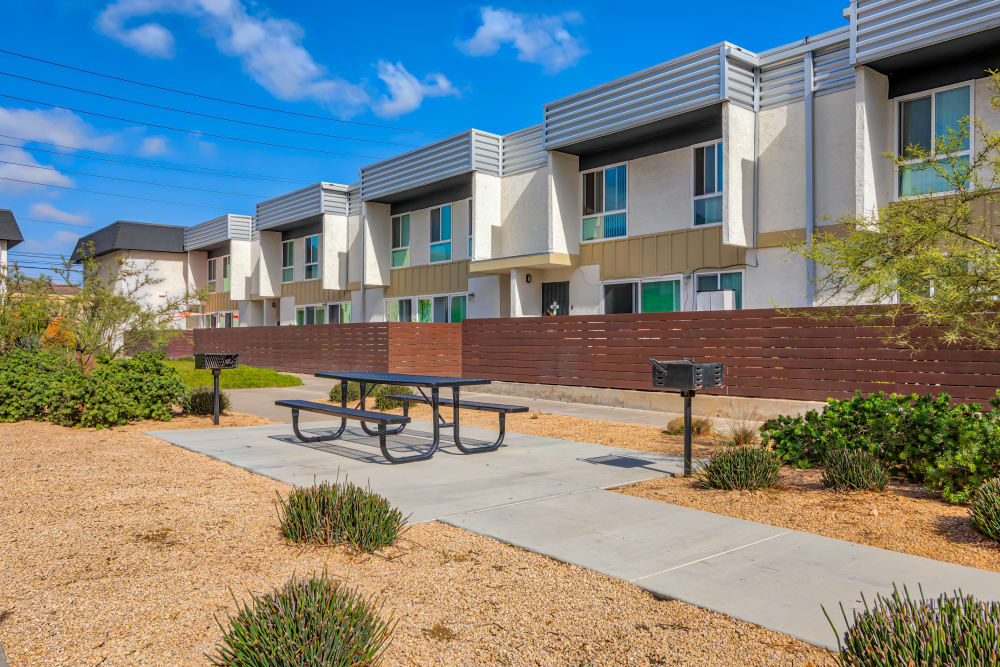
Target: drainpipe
point(756, 155)
point(810, 179)
point(364, 263)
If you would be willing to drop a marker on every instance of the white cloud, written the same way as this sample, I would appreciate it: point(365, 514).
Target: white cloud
point(152, 146)
point(19, 172)
point(60, 242)
point(56, 126)
point(545, 40)
point(50, 212)
point(406, 92)
point(269, 48)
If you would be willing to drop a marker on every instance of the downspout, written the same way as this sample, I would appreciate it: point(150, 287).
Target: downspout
point(364, 262)
point(756, 155)
point(810, 179)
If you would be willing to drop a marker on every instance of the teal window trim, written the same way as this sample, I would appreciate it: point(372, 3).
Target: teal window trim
point(312, 252)
point(604, 200)
point(212, 275)
point(708, 184)
point(441, 230)
point(227, 269)
point(288, 261)
point(399, 243)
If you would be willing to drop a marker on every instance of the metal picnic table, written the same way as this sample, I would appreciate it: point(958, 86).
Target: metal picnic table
point(368, 380)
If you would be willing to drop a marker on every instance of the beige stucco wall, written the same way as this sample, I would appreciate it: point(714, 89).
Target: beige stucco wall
point(377, 238)
point(833, 151)
point(564, 203)
point(240, 269)
point(333, 252)
point(738, 179)
point(268, 264)
point(782, 168)
point(524, 205)
point(659, 193)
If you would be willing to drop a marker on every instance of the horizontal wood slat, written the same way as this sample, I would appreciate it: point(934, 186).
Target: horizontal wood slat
point(181, 345)
point(767, 353)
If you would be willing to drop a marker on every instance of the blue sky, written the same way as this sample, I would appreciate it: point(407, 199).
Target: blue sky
point(420, 73)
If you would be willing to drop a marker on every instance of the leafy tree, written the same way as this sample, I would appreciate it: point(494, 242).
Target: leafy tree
point(25, 308)
point(110, 309)
point(937, 257)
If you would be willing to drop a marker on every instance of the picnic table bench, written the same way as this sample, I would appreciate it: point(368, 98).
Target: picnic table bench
point(390, 424)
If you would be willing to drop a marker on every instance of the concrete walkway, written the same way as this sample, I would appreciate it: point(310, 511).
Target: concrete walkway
point(261, 402)
point(549, 496)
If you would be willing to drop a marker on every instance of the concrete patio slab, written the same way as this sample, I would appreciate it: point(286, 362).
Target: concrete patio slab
point(526, 468)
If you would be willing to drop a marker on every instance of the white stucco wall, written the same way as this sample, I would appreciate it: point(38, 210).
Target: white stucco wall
point(659, 193)
point(354, 248)
point(524, 206)
point(778, 280)
point(525, 297)
point(333, 251)
point(873, 172)
point(782, 169)
point(268, 266)
point(378, 237)
point(564, 203)
point(196, 270)
point(487, 207)
point(738, 177)
point(486, 302)
point(240, 270)
point(168, 271)
point(286, 310)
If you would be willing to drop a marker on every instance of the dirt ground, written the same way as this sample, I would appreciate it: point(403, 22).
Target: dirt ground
point(903, 518)
point(119, 549)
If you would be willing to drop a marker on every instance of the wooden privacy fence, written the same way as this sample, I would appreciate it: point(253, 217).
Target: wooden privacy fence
point(181, 345)
point(766, 354)
point(409, 347)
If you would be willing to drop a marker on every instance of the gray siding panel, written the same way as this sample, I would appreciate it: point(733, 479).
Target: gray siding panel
point(472, 150)
point(669, 89)
point(740, 85)
point(884, 28)
point(219, 229)
point(524, 150)
point(832, 70)
point(300, 204)
point(782, 82)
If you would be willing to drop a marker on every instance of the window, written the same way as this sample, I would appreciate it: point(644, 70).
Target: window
point(708, 184)
point(604, 203)
point(713, 282)
point(339, 313)
point(222, 320)
point(442, 308)
point(926, 123)
point(226, 269)
point(287, 261)
point(659, 295)
point(399, 310)
point(312, 257)
point(401, 241)
point(310, 315)
point(211, 277)
point(470, 229)
point(441, 234)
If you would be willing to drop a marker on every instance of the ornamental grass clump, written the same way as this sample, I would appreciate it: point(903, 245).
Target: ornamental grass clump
point(340, 513)
point(897, 630)
point(854, 469)
point(744, 468)
point(313, 622)
point(201, 401)
point(378, 394)
point(985, 512)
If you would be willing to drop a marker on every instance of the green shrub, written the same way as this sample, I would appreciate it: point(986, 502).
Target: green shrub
point(950, 448)
point(337, 513)
point(201, 401)
point(741, 468)
point(378, 395)
point(895, 630)
point(48, 385)
point(314, 622)
point(854, 469)
point(985, 512)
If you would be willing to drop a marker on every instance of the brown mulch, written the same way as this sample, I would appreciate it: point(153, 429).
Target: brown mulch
point(120, 549)
point(905, 517)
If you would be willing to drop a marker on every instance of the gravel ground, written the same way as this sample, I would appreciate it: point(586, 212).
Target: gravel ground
point(904, 518)
point(119, 549)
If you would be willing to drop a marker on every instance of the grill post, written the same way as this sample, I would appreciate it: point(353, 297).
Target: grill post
point(215, 377)
point(687, 395)
point(687, 377)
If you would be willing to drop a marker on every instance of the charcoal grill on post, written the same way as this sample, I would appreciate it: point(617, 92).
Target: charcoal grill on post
point(687, 377)
point(216, 363)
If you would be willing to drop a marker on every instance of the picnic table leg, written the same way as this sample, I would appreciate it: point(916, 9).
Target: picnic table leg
point(482, 448)
point(315, 438)
point(364, 426)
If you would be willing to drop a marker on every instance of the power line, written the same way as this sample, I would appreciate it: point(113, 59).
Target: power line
point(58, 222)
point(151, 164)
point(130, 180)
point(112, 194)
point(205, 115)
point(197, 132)
point(219, 99)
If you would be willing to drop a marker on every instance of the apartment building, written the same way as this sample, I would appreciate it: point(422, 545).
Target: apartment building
point(670, 189)
point(10, 236)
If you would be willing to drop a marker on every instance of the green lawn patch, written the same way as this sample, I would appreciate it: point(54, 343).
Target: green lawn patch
point(244, 377)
